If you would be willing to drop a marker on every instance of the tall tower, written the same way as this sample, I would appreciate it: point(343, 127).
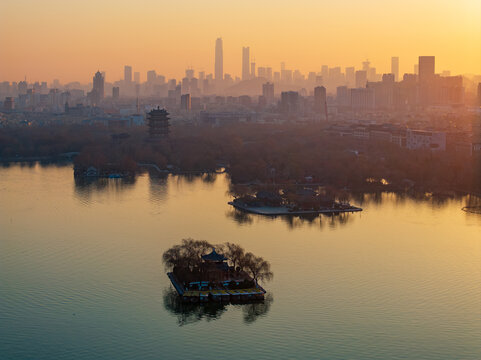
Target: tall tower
point(158, 123)
point(98, 88)
point(320, 101)
point(128, 74)
point(253, 70)
point(395, 67)
point(219, 60)
point(245, 63)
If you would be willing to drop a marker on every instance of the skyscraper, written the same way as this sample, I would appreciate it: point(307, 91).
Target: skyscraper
point(350, 76)
point(253, 70)
point(219, 60)
point(137, 77)
point(395, 67)
point(320, 101)
point(245, 63)
point(98, 87)
point(427, 91)
point(268, 92)
point(426, 68)
point(361, 78)
point(128, 74)
point(115, 92)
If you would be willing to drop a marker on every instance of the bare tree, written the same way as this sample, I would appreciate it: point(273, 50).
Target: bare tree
point(257, 267)
point(234, 253)
point(173, 257)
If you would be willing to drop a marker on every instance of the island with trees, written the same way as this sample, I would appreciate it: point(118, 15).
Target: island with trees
point(292, 201)
point(202, 272)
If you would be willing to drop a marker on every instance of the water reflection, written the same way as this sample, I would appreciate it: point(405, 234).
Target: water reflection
point(293, 222)
point(85, 187)
point(438, 200)
point(188, 313)
point(158, 187)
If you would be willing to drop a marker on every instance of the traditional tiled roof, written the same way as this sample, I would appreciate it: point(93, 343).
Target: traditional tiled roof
point(213, 256)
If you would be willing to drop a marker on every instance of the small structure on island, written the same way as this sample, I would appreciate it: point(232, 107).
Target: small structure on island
point(199, 273)
point(215, 267)
point(158, 123)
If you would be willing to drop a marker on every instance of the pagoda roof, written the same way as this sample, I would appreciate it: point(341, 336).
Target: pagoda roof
point(213, 256)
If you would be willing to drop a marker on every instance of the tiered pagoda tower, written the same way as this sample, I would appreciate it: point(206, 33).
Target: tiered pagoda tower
point(158, 123)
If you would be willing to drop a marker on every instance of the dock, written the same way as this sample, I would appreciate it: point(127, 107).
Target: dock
point(218, 295)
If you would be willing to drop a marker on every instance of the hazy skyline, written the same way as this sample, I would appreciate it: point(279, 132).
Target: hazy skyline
point(70, 41)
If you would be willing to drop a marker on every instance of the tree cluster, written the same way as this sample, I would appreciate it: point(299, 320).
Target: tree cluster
point(187, 256)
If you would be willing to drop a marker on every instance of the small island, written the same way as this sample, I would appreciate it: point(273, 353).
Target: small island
point(201, 272)
point(301, 202)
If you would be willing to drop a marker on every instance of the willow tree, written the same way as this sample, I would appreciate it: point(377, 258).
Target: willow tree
point(234, 252)
point(257, 267)
point(188, 255)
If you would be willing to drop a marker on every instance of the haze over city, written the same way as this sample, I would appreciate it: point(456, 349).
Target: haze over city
point(67, 40)
point(247, 180)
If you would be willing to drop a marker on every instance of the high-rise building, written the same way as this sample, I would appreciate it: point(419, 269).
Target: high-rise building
point(128, 74)
point(361, 78)
point(151, 76)
point(189, 73)
point(342, 96)
point(289, 102)
point(269, 73)
point(426, 69)
point(253, 70)
point(9, 103)
point(185, 102)
point(219, 60)
point(98, 88)
point(320, 101)
point(137, 77)
point(365, 65)
point(395, 67)
point(325, 73)
point(268, 92)
point(245, 63)
point(261, 71)
point(350, 76)
point(115, 92)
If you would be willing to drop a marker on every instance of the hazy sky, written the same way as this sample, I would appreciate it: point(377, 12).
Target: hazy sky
point(70, 40)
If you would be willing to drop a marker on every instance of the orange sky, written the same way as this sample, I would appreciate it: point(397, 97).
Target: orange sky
point(70, 40)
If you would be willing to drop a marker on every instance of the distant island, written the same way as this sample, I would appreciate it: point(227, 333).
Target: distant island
point(201, 272)
point(305, 201)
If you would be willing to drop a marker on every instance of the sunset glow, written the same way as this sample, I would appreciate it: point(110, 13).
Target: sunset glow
point(70, 40)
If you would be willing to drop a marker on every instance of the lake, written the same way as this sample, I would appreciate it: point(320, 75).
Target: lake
point(81, 274)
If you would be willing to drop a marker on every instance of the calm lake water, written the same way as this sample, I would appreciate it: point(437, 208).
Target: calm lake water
point(81, 275)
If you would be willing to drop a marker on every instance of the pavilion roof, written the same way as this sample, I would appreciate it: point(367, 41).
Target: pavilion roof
point(213, 256)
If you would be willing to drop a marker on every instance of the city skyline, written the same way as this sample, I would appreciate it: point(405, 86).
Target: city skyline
point(68, 47)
